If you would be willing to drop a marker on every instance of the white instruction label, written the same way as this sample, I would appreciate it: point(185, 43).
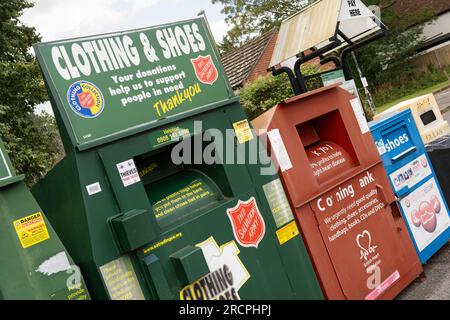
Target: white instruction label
point(279, 149)
point(360, 116)
point(128, 172)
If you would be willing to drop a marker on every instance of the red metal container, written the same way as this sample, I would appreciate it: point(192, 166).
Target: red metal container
point(344, 205)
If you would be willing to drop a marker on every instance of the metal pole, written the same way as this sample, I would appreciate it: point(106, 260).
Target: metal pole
point(366, 90)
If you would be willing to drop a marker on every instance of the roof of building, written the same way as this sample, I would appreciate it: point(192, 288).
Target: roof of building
point(239, 63)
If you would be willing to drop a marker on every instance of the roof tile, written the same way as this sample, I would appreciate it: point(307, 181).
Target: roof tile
point(238, 64)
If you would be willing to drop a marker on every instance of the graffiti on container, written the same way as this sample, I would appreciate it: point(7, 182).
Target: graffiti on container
point(227, 273)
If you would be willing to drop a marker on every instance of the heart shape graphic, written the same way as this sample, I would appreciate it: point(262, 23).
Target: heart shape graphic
point(362, 237)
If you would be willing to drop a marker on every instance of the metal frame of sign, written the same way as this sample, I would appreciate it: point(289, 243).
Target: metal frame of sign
point(338, 40)
point(6, 166)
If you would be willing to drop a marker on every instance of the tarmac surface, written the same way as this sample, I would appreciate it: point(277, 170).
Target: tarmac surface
point(443, 99)
point(435, 284)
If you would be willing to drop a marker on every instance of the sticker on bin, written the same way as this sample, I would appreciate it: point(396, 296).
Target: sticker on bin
point(121, 280)
point(128, 173)
point(381, 147)
point(279, 149)
point(243, 131)
point(31, 230)
point(287, 233)
point(383, 286)
point(93, 188)
point(411, 174)
point(360, 116)
point(247, 222)
point(224, 263)
point(55, 264)
point(278, 203)
point(426, 214)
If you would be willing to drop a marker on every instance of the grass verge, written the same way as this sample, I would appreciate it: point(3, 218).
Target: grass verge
point(418, 93)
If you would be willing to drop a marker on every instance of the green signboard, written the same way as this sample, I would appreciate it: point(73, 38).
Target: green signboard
point(333, 77)
point(113, 84)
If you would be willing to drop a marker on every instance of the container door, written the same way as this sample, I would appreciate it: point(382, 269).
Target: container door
point(214, 244)
point(213, 237)
point(399, 143)
point(358, 229)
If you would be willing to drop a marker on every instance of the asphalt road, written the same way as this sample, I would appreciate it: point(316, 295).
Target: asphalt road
point(443, 99)
point(435, 285)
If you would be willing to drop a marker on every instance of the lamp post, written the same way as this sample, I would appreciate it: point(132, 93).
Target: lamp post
point(366, 90)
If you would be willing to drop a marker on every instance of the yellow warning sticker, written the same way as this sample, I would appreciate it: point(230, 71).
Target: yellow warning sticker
point(243, 131)
point(31, 230)
point(288, 232)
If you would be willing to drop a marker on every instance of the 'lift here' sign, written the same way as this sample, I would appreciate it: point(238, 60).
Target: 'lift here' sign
point(109, 83)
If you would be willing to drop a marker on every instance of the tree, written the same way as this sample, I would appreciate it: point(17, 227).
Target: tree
point(31, 140)
point(251, 18)
point(385, 62)
point(266, 92)
point(405, 35)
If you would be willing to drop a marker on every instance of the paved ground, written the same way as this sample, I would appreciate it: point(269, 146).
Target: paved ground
point(436, 283)
point(447, 116)
point(443, 99)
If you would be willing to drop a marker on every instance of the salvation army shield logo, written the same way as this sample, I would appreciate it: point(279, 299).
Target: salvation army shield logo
point(247, 222)
point(205, 70)
point(85, 99)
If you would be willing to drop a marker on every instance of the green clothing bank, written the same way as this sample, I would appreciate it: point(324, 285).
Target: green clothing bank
point(34, 265)
point(140, 224)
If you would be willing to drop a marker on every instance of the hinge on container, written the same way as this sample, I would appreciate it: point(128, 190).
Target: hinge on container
point(315, 218)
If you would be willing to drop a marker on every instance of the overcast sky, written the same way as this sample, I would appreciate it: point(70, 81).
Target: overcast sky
point(62, 19)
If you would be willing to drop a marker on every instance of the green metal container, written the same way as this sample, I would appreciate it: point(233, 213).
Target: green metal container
point(144, 226)
point(34, 265)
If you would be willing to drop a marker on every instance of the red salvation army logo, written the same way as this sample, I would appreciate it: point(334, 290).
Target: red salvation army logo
point(247, 222)
point(86, 99)
point(205, 70)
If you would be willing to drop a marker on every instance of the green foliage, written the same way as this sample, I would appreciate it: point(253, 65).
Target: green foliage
point(266, 92)
point(251, 18)
point(32, 141)
point(15, 38)
point(406, 83)
point(387, 63)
